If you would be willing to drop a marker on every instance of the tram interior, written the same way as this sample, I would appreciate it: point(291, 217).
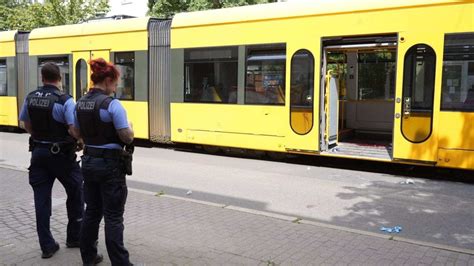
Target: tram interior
point(365, 77)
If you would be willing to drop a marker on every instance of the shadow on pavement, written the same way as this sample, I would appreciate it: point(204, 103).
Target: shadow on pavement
point(429, 211)
point(434, 212)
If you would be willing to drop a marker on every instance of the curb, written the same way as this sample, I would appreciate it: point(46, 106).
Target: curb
point(295, 219)
point(292, 219)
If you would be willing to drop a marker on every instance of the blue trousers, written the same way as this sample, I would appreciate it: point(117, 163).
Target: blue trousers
point(105, 193)
point(44, 169)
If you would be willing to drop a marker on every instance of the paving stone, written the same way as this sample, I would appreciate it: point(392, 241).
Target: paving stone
point(167, 231)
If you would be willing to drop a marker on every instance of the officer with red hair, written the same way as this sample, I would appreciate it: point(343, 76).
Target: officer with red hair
point(104, 127)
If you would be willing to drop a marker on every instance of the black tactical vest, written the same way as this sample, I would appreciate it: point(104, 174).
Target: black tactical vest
point(40, 105)
point(93, 130)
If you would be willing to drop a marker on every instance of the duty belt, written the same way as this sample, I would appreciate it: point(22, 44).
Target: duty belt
point(103, 153)
point(54, 147)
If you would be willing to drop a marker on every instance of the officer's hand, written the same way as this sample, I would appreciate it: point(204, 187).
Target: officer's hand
point(80, 145)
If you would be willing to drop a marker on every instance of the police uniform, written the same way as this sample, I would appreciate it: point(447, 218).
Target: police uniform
point(53, 156)
point(99, 116)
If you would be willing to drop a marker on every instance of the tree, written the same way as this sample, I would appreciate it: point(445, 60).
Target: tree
point(167, 8)
point(24, 15)
point(75, 11)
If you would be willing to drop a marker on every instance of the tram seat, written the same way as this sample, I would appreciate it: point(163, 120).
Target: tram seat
point(210, 95)
point(281, 95)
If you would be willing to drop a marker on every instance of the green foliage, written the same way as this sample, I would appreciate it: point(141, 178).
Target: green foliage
point(167, 8)
point(25, 15)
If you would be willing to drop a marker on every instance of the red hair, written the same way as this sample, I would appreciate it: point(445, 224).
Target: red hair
point(102, 69)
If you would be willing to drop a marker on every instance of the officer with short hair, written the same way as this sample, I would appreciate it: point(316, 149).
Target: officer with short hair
point(48, 115)
point(103, 125)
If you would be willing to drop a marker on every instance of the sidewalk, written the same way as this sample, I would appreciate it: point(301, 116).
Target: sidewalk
point(169, 231)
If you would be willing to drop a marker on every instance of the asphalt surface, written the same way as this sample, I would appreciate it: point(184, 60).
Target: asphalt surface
point(434, 206)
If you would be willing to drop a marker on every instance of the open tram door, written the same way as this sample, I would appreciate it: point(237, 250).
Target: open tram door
point(357, 96)
point(81, 70)
point(415, 137)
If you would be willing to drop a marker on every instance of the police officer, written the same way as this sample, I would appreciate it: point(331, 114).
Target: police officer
point(48, 115)
point(103, 125)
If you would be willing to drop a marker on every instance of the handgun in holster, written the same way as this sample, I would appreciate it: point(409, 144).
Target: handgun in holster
point(31, 144)
point(127, 157)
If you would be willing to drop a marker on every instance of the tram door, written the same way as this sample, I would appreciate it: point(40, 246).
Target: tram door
point(82, 71)
point(329, 105)
point(415, 136)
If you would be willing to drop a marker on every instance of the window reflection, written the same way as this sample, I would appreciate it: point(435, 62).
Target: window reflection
point(265, 75)
point(3, 78)
point(63, 64)
point(458, 72)
point(211, 75)
point(125, 63)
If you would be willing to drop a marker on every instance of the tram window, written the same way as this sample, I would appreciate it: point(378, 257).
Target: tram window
point(63, 64)
point(3, 78)
point(419, 76)
point(265, 74)
point(302, 91)
point(125, 63)
point(376, 77)
point(458, 73)
point(211, 75)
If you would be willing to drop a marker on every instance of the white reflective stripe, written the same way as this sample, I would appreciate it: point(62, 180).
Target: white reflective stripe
point(367, 45)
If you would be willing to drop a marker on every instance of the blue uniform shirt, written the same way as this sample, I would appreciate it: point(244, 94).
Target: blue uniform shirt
point(115, 114)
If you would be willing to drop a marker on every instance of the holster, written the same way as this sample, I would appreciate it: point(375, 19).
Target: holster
point(127, 157)
point(127, 162)
point(31, 144)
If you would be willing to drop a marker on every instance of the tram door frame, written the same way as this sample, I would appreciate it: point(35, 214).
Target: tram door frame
point(329, 94)
point(422, 149)
point(329, 107)
point(87, 55)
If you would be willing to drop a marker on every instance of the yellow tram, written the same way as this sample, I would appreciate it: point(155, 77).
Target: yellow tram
point(303, 75)
point(366, 79)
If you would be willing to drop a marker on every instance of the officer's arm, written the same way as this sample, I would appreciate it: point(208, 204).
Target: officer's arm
point(26, 125)
point(70, 117)
point(126, 134)
point(74, 132)
point(119, 117)
point(25, 119)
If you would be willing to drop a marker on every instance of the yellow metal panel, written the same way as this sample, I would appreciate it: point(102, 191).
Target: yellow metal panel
point(104, 54)
point(127, 41)
point(7, 43)
point(301, 121)
point(7, 36)
point(137, 113)
point(313, 28)
point(229, 139)
point(255, 127)
point(8, 111)
point(456, 159)
point(417, 127)
point(91, 28)
point(294, 9)
point(456, 130)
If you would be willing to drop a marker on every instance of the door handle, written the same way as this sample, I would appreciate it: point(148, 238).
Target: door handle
point(407, 106)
